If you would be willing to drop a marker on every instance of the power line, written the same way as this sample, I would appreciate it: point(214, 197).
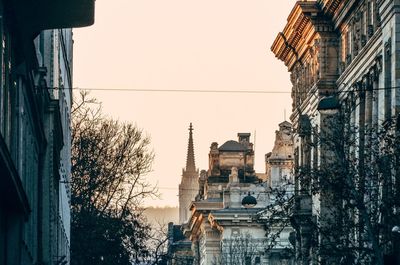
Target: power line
point(171, 188)
point(212, 90)
point(174, 90)
point(177, 188)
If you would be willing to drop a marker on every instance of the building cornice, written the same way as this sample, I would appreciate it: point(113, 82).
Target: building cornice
point(307, 45)
point(191, 228)
point(330, 6)
point(199, 213)
point(343, 12)
point(291, 44)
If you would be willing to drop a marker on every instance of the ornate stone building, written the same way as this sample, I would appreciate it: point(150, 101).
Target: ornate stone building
point(227, 222)
point(280, 179)
point(279, 163)
point(217, 215)
point(343, 58)
point(35, 101)
point(189, 186)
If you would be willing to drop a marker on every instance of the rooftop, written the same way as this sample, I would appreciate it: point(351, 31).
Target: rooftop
point(232, 146)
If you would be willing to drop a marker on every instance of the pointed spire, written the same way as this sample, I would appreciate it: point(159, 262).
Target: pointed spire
point(190, 164)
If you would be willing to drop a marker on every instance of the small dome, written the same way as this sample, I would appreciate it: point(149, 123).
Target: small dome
point(249, 201)
point(232, 146)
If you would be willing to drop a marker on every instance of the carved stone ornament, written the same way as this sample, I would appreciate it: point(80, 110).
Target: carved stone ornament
point(366, 82)
point(378, 64)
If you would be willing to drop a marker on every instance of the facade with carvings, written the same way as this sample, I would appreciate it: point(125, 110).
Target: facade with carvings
point(189, 186)
point(279, 162)
point(217, 214)
point(343, 60)
point(35, 103)
point(222, 227)
point(280, 179)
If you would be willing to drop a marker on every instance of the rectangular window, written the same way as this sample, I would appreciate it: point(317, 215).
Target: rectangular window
point(372, 14)
point(369, 13)
point(368, 80)
point(353, 40)
point(375, 14)
point(368, 109)
point(2, 75)
point(375, 104)
point(361, 139)
point(5, 85)
point(343, 48)
point(6, 90)
point(315, 147)
point(363, 26)
point(388, 79)
point(347, 47)
point(370, 27)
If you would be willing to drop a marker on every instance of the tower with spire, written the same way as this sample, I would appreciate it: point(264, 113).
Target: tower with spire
point(189, 186)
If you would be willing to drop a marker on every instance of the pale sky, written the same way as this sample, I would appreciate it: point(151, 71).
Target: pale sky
point(186, 45)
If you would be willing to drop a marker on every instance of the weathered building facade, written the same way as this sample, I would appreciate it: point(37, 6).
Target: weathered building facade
point(280, 179)
point(35, 102)
point(217, 215)
point(227, 222)
point(279, 162)
point(189, 186)
point(343, 62)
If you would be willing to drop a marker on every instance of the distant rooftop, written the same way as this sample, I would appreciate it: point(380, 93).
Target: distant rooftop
point(285, 123)
point(177, 233)
point(232, 146)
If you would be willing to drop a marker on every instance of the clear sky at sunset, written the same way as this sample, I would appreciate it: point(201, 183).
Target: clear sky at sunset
point(187, 45)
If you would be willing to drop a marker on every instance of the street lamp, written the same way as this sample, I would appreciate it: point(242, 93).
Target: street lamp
point(328, 105)
point(249, 201)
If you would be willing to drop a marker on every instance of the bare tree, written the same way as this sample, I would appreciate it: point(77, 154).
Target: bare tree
point(110, 160)
point(276, 218)
point(354, 191)
point(167, 247)
point(157, 243)
point(241, 249)
point(354, 185)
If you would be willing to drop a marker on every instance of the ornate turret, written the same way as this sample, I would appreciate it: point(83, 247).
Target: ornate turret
point(189, 187)
point(279, 162)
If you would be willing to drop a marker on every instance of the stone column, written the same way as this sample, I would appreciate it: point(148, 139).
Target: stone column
point(212, 245)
